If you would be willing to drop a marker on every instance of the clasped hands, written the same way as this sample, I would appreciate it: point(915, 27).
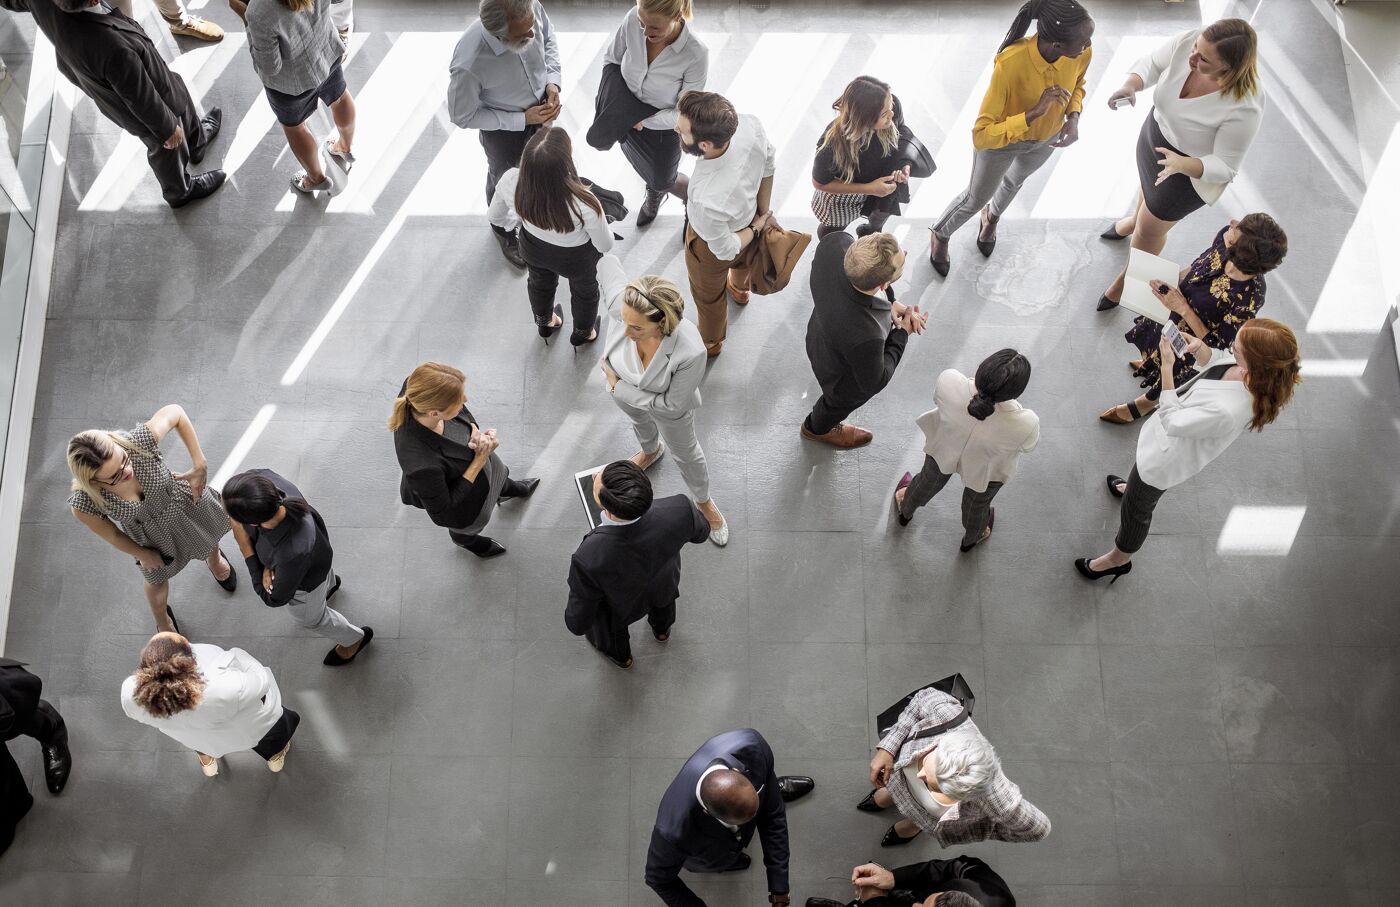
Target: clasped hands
point(547, 111)
point(484, 442)
point(886, 185)
point(909, 318)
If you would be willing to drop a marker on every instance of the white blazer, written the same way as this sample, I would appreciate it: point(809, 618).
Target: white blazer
point(979, 452)
point(670, 386)
point(1192, 426)
point(241, 703)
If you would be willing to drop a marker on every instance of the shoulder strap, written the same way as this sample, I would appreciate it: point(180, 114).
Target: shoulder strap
point(946, 726)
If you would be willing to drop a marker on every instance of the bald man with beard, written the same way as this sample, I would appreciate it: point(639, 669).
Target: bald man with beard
point(725, 792)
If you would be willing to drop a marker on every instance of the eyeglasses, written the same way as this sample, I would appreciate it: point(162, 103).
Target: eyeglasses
point(121, 472)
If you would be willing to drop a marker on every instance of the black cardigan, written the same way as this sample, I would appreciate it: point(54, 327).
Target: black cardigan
point(432, 474)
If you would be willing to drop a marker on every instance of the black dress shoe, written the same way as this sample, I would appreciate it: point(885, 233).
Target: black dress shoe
point(201, 186)
point(510, 247)
point(1113, 483)
point(650, 207)
point(334, 658)
point(794, 787)
point(868, 805)
point(1105, 304)
point(58, 763)
point(740, 864)
point(892, 838)
point(482, 547)
point(209, 128)
point(230, 582)
point(521, 489)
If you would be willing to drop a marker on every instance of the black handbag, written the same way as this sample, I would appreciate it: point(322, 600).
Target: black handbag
point(911, 151)
point(953, 685)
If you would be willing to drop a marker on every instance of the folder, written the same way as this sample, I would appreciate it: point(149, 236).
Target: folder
point(1138, 296)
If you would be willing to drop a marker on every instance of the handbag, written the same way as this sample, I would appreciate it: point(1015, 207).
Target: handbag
point(911, 151)
point(953, 685)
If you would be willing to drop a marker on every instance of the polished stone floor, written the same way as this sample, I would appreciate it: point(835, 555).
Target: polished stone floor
point(1219, 728)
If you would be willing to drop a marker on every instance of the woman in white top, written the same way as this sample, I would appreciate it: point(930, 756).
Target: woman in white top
point(661, 59)
point(213, 700)
point(1192, 427)
point(1207, 106)
point(654, 361)
point(977, 430)
point(563, 232)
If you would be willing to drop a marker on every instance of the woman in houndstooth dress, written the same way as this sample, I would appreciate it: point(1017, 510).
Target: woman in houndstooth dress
point(125, 493)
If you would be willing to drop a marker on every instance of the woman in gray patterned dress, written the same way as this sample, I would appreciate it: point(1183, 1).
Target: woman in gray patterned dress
point(125, 493)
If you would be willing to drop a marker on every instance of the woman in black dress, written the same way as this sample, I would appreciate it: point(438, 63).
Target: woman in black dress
point(1221, 290)
point(450, 467)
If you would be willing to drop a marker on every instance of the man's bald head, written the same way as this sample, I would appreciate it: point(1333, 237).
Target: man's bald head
point(729, 797)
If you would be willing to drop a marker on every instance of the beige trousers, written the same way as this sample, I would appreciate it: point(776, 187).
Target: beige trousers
point(171, 10)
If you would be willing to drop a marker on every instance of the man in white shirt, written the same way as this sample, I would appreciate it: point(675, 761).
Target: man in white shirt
point(505, 80)
point(727, 204)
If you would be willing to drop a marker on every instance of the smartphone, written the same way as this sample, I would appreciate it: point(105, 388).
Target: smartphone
point(1174, 337)
point(1117, 103)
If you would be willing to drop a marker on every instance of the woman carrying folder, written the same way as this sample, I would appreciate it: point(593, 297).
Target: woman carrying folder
point(1221, 290)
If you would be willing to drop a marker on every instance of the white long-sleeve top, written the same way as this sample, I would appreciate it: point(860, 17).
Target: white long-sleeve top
point(1215, 128)
point(979, 451)
point(490, 87)
point(680, 67)
point(1192, 426)
point(669, 385)
point(240, 705)
point(723, 194)
point(589, 225)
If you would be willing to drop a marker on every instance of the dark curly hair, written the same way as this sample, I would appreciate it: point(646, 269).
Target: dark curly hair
point(1261, 245)
point(168, 681)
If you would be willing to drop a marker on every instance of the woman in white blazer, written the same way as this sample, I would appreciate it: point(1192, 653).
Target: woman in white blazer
point(1191, 427)
point(654, 361)
point(1206, 110)
point(977, 430)
point(213, 700)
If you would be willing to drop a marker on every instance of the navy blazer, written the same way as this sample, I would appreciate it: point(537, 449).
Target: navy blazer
point(687, 836)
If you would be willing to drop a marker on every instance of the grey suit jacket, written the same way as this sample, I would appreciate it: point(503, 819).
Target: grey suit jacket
point(292, 52)
point(670, 387)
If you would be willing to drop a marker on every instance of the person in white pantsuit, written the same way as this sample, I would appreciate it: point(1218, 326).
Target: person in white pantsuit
point(654, 362)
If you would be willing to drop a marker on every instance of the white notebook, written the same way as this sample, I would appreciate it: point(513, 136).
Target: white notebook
point(1138, 297)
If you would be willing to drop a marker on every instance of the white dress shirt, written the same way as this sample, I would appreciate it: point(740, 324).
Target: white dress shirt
point(680, 67)
point(593, 227)
point(491, 87)
point(723, 194)
point(1192, 426)
point(1215, 128)
point(669, 385)
point(978, 451)
point(240, 705)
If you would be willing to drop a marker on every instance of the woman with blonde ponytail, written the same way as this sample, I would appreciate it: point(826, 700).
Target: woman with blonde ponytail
point(126, 494)
point(450, 467)
point(213, 700)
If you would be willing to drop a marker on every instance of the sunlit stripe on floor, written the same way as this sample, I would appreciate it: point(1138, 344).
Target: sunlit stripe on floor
point(954, 155)
point(783, 103)
point(124, 169)
point(312, 703)
point(1260, 530)
point(1333, 368)
point(240, 451)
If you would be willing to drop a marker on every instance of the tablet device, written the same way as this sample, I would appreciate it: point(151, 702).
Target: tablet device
point(592, 510)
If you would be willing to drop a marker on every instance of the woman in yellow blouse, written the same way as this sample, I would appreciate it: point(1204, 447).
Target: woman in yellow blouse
point(1031, 108)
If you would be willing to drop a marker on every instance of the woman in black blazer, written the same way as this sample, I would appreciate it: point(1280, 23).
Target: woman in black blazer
point(450, 467)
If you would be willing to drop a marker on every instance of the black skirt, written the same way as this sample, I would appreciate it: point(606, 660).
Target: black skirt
point(1175, 197)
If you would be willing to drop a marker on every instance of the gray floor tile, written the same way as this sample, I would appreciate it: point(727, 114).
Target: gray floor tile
point(448, 816)
point(799, 709)
point(569, 697)
point(1366, 693)
point(1277, 704)
point(1176, 821)
point(1163, 704)
point(1271, 800)
point(1053, 699)
point(813, 587)
point(582, 840)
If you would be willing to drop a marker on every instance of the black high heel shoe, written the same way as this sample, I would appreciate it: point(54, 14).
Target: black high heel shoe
point(1112, 234)
point(868, 805)
point(1089, 573)
point(1113, 483)
point(579, 340)
point(549, 330)
point(893, 838)
point(1105, 304)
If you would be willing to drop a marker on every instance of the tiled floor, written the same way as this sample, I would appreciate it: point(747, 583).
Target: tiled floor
point(1222, 726)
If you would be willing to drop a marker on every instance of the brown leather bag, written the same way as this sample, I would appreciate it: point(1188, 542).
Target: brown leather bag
point(773, 257)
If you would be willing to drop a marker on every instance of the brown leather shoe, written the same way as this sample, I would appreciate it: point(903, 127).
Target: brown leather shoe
point(843, 436)
point(714, 349)
point(739, 296)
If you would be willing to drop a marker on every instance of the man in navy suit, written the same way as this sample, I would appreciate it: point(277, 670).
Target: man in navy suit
point(708, 815)
point(23, 713)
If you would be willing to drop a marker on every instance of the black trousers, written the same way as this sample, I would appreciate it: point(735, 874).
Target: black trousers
point(576, 264)
point(503, 149)
point(46, 726)
point(656, 156)
point(171, 165)
point(279, 735)
point(478, 543)
point(1135, 513)
point(976, 505)
point(830, 411)
point(614, 640)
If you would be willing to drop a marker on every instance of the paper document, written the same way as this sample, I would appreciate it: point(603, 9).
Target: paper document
point(1138, 296)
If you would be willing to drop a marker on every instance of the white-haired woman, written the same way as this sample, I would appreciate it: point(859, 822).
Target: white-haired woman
point(125, 493)
point(950, 785)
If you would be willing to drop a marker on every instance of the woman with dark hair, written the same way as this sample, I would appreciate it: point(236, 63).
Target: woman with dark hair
point(1247, 388)
point(288, 553)
point(1221, 290)
point(1031, 108)
point(1206, 110)
point(563, 232)
point(213, 700)
point(860, 168)
point(977, 430)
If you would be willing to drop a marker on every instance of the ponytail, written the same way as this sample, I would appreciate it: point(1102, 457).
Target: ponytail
point(1019, 26)
point(1054, 19)
point(399, 414)
point(434, 386)
point(981, 406)
point(1002, 376)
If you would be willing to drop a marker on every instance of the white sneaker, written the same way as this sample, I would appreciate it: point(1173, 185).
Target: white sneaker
point(720, 536)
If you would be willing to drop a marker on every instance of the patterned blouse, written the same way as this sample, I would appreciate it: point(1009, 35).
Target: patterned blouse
point(1222, 304)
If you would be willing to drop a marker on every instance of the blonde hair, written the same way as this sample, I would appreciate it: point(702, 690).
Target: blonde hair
point(431, 386)
point(870, 261)
point(671, 9)
point(1238, 46)
point(857, 111)
point(656, 299)
point(88, 452)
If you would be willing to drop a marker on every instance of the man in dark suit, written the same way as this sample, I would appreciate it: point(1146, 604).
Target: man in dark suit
point(856, 334)
point(22, 712)
point(960, 882)
point(630, 566)
point(111, 60)
point(708, 815)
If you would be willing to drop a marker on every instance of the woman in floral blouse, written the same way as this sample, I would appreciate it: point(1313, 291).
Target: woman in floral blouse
point(1221, 290)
